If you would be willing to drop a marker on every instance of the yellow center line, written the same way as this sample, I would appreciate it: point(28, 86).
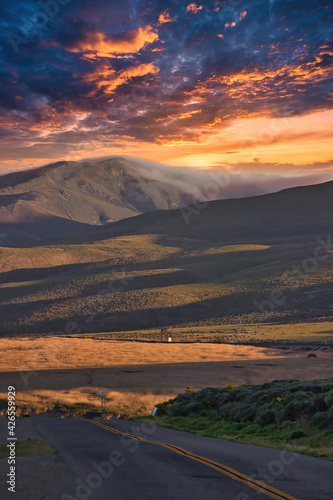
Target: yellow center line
point(238, 476)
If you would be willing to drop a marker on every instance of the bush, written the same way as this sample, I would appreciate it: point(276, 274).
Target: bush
point(330, 414)
point(329, 399)
point(304, 396)
point(287, 397)
point(267, 418)
point(248, 414)
point(162, 408)
point(319, 419)
point(294, 409)
point(297, 434)
point(189, 388)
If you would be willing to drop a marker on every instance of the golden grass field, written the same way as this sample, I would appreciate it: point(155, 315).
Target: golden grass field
point(239, 333)
point(137, 375)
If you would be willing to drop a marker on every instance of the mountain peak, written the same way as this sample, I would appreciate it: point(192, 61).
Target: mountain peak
point(67, 196)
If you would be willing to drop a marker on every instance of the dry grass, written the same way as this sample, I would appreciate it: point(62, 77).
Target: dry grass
point(239, 333)
point(116, 403)
point(64, 352)
point(181, 283)
point(135, 376)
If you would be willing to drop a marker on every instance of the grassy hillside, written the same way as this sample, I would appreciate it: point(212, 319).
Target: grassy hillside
point(285, 414)
point(67, 197)
point(226, 267)
point(291, 215)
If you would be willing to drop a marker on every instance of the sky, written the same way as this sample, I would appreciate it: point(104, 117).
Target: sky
point(188, 84)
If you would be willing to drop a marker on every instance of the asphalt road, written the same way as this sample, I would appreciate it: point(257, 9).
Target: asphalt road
point(109, 465)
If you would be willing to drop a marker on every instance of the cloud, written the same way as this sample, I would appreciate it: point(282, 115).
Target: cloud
point(192, 7)
point(158, 73)
point(165, 18)
point(101, 45)
point(106, 79)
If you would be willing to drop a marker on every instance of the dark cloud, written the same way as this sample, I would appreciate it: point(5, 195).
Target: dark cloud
point(156, 71)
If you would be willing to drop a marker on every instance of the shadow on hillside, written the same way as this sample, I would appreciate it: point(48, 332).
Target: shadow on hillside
point(313, 301)
point(34, 274)
point(309, 302)
point(36, 233)
point(211, 266)
point(145, 282)
point(122, 320)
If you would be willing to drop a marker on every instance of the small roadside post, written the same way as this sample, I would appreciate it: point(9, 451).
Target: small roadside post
point(153, 411)
point(163, 331)
point(102, 397)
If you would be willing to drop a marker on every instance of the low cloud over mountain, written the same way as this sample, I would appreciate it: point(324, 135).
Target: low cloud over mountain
point(67, 197)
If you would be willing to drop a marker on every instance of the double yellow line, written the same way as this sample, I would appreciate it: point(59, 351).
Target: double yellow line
point(238, 476)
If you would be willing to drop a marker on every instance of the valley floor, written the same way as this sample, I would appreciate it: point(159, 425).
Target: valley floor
point(70, 373)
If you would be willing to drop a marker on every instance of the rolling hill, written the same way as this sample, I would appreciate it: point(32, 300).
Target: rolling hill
point(265, 260)
point(65, 198)
point(297, 214)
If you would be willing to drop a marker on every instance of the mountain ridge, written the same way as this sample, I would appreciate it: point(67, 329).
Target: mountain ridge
point(65, 198)
point(295, 212)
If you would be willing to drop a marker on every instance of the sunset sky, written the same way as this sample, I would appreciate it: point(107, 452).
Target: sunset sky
point(201, 84)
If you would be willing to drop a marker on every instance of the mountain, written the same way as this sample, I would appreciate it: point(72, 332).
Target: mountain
point(65, 198)
point(292, 214)
point(203, 268)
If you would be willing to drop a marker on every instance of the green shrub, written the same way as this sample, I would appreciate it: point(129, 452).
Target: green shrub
point(297, 434)
point(319, 419)
point(304, 396)
point(234, 412)
point(326, 387)
point(248, 414)
point(267, 418)
point(330, 414)
point(294, 409)
point(162, 408)
point(329, 399)
point(287, 397)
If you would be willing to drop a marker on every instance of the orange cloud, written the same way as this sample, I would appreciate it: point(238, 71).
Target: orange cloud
point(283, 82)
point(189, 114)
point(192, 7)
point(103, 46)
point(233, 24)
point(108, 79)
point(164, 18)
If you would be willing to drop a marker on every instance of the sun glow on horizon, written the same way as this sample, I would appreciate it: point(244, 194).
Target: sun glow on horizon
point(297, 140)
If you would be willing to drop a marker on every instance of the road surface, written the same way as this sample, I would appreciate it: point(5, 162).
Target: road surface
point(108, 462)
